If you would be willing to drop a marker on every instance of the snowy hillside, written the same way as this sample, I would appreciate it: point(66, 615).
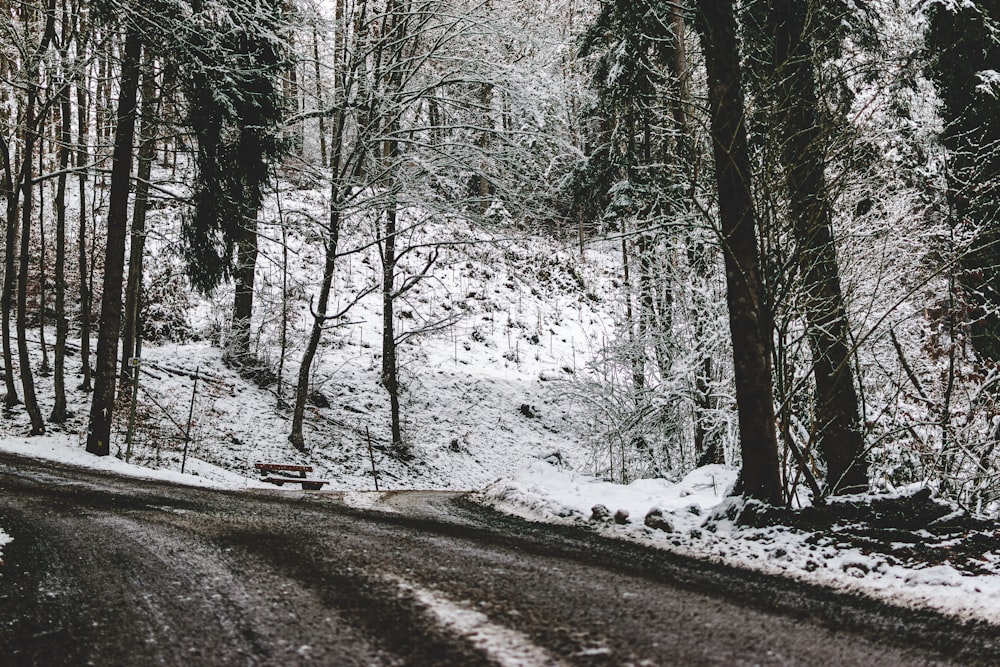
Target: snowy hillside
point(514, 322)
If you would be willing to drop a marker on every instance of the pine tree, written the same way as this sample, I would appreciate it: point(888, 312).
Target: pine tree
point(964, 63)
point(235, 108)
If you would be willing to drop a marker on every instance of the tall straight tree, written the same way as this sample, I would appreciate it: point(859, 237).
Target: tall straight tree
point(33, 119)
point(105, 375)
point(783, 33)
point(964, 48)
point(137, 236)
point(749, 321)
point(235, 109)
point(59, 411)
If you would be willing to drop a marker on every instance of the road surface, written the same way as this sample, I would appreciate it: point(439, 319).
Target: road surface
point(105, 570)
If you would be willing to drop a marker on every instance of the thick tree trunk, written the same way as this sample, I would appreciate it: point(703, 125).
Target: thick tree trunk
point(246, 266)
point(838, 422)
point(749, 321)
point(102, 406)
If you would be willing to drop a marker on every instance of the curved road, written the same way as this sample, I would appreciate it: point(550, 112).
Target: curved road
point(106, 570)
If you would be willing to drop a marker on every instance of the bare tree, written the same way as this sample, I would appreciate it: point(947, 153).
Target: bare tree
point(105, 376)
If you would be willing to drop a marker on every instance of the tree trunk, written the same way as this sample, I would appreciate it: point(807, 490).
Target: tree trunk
point(6, 298)
point(147, 153)
point(332, 241)
point(749, 321)
point(319, 96)
point(102, 406)
point(838, 423)
point(31, 125)
point(44, 368)
point(59, 412)
point(390, 377)
point(82, 156)
point(316, 333)
point(246, 264)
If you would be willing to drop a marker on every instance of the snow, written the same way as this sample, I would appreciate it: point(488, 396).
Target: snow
point(491, 408)
point(544, 492)
point(68, 449)
point(504, 646)
point(5, 539)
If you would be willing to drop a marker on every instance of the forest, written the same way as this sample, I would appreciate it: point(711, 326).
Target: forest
point(793, 203)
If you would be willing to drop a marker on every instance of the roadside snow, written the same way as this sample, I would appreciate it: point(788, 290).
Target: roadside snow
point(543, 492)
point(65, 448)
point(5, 539)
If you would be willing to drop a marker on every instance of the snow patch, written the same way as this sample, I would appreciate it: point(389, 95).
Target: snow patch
point(699, 512)
point(503, 645)
point(5, 539)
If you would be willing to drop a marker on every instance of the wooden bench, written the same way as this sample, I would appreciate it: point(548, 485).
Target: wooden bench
point(282, 475)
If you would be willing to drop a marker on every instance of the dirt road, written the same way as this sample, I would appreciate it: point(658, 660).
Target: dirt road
point(106, 570)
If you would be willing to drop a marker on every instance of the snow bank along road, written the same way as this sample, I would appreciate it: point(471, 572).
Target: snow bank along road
point(108, 570)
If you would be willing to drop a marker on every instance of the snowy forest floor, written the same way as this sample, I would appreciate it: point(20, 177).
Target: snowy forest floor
point(907, 549)
point(494, 405)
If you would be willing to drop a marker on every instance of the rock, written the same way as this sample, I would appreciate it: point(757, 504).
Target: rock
point(318, 399)
point(528, 411)
point(554, 457)
point(621, 517)
point(600, 513)
point(694, 509)
point(656, 520)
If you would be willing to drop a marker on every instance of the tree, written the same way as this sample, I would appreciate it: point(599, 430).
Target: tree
point(59, 411)
point(105, 375)
point(33, 117)
point(784, 63)
point(235, 108)
point(131, 326)
point(964, 64)
point(749, 321)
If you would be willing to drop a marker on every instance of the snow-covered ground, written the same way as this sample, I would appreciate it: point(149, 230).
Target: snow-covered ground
point(490, 406)
point(693, 514)
point(692, 522)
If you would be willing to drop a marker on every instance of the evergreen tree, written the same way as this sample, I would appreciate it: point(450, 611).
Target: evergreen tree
point(964, 62)
point(235, 108)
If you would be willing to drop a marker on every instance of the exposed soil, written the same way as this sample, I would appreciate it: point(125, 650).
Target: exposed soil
point(915, 530)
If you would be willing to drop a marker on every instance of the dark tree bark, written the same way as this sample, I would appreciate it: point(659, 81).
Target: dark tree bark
point(796, 127)
point(82, 156)
point(244, 274)
point(31, 137)
point(749, 321)
point(6, 298)
point(390, 376)
point(137, 237)
point(59, 412)
point(332, 243)
point(102, 406)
